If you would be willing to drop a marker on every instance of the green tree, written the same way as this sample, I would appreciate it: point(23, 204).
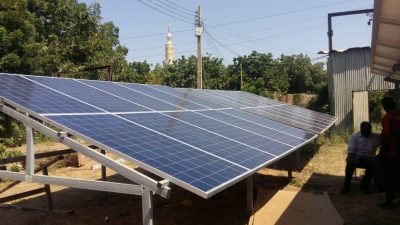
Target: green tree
point(141, 71)
point(261, 74)
point(52, 37)
point(304, 77)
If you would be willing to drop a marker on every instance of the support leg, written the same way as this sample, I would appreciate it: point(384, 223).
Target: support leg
point(47, 190)
point(290, 166)
point(103, 171)
point(103, 168)
point(30, 152)
point(298, 160)
point(250, 201)
point(147, 206)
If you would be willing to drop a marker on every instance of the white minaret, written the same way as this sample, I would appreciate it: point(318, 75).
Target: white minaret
point(169, 49)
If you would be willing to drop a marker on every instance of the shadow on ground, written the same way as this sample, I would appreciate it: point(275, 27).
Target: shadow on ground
point(298, 160)
point(354, 207)
point(183, 207)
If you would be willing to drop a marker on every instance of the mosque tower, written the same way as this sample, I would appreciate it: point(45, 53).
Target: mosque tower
point(169, 49)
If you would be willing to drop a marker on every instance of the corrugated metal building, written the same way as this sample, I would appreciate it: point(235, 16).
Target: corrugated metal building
point(349, 71)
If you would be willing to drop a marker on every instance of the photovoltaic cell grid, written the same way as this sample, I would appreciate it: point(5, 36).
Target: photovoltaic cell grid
point(39, 98)
point(289, 114)
point(199, 144)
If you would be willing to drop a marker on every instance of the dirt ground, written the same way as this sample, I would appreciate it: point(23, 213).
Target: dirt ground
point(321, 170)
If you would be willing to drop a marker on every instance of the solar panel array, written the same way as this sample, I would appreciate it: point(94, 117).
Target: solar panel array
point(288, 114)
point(200, 144)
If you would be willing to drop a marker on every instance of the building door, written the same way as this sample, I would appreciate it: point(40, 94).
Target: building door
point(360, 109)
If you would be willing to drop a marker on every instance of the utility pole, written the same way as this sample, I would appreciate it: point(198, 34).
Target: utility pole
point(199, 31)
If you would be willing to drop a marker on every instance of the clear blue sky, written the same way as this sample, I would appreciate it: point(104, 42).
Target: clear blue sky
point(284, 26)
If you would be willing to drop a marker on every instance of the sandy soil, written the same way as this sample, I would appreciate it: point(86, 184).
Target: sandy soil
point(318, 171)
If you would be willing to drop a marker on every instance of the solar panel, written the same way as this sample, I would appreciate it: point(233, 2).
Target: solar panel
point(179, 162)
point(162, 90)
point(94, 97)
point(38, 98)
point(197, 143)
point(133, 95)
point(234, 98)
point(181, 102)
point(288, 114)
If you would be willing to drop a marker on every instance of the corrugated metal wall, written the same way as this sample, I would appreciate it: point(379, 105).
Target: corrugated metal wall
point(349, 71)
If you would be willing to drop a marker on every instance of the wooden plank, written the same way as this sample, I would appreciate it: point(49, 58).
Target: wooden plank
point(37, 156)
point(22, 195)
point(24, 208)
point(47, 164)
point(360, 109)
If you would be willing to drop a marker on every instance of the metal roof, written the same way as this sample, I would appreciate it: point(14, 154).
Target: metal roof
point(386, 39)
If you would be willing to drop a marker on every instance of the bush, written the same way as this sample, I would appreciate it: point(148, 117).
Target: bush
point(336, 137)
point(375, 107)
point(321, 102)
point(12, 132)
point(10, 154)
point(2, 149)
point(40, 138)
point(15, 168)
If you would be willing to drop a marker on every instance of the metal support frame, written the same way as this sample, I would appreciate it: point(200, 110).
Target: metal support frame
point(30, 151)
point(249, 192)
point(147, 206)
point(146, 186)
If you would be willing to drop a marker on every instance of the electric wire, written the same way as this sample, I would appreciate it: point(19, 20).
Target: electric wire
point(222, 45)
point(170, 11)
point(213, 46)
point(180, 6)
point(158, 10)
point(233, 22)
point(299, 30)
point(176, 9)
point(281, 14)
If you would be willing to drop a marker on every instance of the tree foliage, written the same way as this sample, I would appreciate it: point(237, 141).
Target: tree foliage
point(304, 77)
point(53, 37)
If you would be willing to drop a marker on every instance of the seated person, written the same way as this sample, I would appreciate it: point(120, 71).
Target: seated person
point(361, 154)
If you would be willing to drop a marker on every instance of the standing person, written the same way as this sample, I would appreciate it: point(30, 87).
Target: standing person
point(361, 152)
point(389, 154)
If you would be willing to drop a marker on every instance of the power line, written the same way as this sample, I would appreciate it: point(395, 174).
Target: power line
point(222, 45)
point(170, 11)
point(213, 46)
point(240, 42)
point(185, 21)
point(281, 14)
point(234, 22)
point(225, 30)
point(154, 34)
point(161, 46)
point(176, 9)
point(299, 30)
point(180, 6)
point(284, 33)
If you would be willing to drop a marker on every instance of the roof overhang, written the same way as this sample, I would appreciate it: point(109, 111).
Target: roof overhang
point(385, 55)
